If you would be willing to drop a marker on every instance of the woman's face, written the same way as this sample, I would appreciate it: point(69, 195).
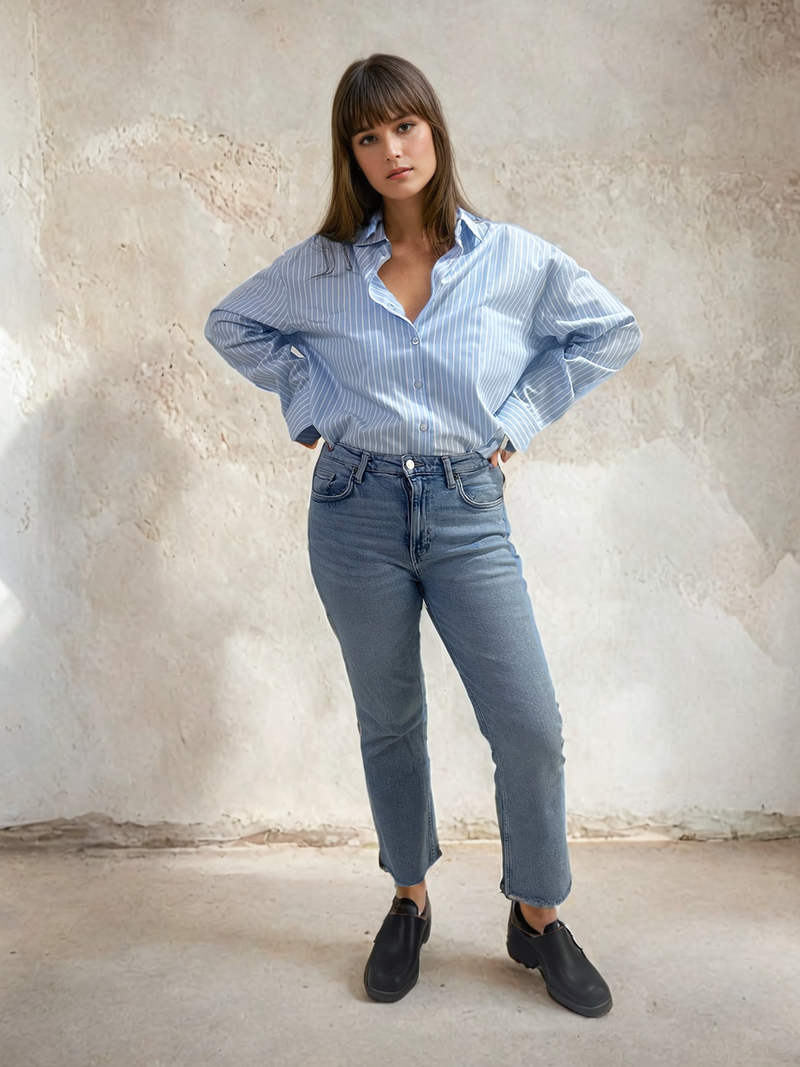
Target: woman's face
point(398, 158)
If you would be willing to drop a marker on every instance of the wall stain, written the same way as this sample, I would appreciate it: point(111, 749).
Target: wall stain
point(95, 830)
point(764, 35)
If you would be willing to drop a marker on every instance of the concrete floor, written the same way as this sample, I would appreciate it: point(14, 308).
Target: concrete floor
point(254, 956)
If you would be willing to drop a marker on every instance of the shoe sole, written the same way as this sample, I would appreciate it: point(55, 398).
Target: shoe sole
point(389, 998)
point(579, 1009)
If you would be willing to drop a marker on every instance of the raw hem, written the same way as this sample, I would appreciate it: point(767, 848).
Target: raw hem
point(382, 866)
point(537, 903)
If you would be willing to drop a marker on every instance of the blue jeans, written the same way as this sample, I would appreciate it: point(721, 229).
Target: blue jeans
point(387, 534)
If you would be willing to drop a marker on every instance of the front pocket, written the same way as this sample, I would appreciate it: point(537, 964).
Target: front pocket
point(332, 483)
point(479, 488)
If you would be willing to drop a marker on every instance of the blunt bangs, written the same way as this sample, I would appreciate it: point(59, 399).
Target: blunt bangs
point(377, 95)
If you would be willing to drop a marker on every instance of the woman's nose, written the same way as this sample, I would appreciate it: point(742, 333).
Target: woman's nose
point(393, 149)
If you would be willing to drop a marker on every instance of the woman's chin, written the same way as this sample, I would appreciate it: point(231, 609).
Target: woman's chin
point(405, 191)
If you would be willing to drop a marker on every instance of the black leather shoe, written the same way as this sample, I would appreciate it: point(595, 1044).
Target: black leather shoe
point(569, 977)
point(393, 966)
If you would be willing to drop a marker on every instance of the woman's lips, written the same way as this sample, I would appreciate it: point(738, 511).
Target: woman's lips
point(399, 172)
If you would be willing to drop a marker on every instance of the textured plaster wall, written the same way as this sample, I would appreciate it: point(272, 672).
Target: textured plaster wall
point(164, 656)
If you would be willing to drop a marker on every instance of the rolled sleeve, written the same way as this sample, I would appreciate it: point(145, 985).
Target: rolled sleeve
point(519, 421)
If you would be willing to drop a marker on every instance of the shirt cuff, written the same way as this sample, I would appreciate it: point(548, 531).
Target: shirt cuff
point(309, 436)
point(519, 423)
point(298, 414)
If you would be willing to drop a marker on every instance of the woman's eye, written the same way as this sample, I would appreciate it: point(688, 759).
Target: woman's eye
point(405, 124)
point(366, 140)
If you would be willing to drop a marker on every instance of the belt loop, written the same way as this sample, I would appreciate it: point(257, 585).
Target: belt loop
point(448, 472)
point(365, 457)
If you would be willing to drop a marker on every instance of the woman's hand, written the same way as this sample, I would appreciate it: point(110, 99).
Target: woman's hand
point(503, 454)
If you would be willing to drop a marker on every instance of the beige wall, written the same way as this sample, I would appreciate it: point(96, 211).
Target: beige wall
point(163, 653)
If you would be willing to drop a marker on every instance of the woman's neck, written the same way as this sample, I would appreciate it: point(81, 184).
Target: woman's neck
point(402, 221)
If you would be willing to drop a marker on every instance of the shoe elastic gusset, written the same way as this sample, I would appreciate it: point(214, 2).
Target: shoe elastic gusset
point(570, 978)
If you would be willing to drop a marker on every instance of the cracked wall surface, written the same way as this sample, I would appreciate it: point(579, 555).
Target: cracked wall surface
point(163, 655)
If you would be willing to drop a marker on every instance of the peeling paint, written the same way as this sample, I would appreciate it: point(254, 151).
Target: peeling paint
point(236, 183)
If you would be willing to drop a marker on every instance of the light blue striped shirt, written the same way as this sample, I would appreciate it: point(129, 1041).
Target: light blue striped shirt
point(513, 333)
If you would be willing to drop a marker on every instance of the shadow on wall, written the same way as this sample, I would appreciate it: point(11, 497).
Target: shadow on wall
point(127, 560)
point(111, 672)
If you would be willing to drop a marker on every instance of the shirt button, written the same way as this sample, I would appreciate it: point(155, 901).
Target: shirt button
point(409, 464)
point(417, 385)
point(415, 340)
point(423, 426)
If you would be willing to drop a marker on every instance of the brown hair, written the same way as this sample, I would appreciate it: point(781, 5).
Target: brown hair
point(372, 91)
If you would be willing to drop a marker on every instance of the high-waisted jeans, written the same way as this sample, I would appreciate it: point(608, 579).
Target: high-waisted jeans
point(387, 534)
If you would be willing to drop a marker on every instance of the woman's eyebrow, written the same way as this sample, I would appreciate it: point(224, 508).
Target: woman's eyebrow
point(393, 118)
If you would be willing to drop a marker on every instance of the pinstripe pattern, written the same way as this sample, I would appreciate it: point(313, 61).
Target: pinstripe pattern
point(513, 333)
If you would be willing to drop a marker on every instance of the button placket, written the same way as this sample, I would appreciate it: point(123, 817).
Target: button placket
point(418, 385)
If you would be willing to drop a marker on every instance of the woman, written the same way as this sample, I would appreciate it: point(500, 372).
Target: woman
point(423, 343)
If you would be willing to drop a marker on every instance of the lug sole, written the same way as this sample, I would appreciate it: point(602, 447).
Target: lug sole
point(588, 1011)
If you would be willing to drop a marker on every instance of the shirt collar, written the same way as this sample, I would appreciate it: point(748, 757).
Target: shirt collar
point(476, 225)
point(374, 233)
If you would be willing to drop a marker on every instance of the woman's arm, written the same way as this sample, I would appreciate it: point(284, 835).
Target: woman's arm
point(581, 335)
point(252, 331)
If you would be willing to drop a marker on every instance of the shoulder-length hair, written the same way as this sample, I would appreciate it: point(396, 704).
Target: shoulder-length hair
point(373, 91)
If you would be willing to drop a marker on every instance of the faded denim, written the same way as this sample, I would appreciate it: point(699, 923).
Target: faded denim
point(387, 534)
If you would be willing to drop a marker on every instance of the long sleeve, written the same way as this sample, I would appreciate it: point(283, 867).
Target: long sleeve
point(252, 331)
point(581, 335)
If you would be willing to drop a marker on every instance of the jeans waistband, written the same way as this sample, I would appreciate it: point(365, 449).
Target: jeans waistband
point(409, 464)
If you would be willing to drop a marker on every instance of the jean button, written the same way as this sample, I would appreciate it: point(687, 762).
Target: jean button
point(409, 464)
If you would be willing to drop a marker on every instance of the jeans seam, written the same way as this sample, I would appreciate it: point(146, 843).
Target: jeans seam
point(500, 789)
point(499, 776)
